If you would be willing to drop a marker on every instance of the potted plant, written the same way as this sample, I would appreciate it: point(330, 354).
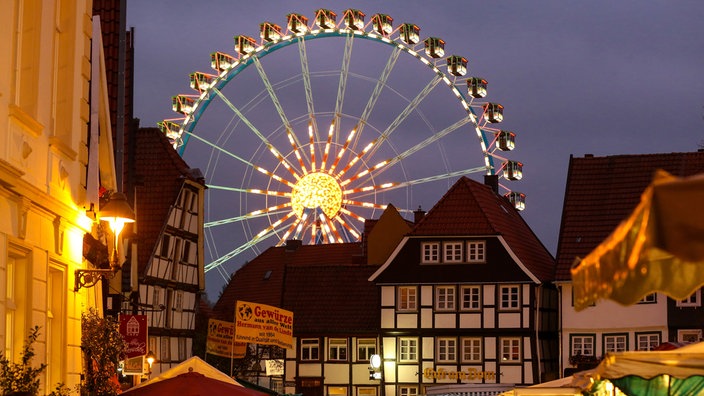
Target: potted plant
point(21, 379)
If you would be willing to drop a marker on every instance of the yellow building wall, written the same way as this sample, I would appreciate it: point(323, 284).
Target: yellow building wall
point(44, 112)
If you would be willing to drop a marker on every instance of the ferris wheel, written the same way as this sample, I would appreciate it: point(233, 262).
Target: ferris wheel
point(311, 129)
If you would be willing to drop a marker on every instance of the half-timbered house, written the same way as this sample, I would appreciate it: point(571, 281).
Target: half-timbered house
point(170, 274)
point(335, 308)
point(600, 193)
point(466, 300)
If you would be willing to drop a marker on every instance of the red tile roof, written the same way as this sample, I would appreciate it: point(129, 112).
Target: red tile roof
point(472, 208)
point(602, 191)
point(159, 173)
point(325, 286)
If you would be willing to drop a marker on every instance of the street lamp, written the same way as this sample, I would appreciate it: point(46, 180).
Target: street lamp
point(374, 367)
point(116, 212)
point(150, 361)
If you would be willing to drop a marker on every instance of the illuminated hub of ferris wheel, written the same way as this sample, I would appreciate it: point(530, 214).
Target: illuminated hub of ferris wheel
point(316, 185)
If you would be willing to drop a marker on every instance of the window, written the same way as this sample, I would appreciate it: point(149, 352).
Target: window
point(582, 345)
point(511, 349)
point(445, 298)
point(366, 391)
point(471, 298)
point(615, 342)
point(447, 350)
point(178, 300)
point(407, 298)
point(337, 391)
point(509, 298)
point(165, 355)
point(476, 251)
point(337, 349)
point(647, 341)
point(366, 347)
point(452, 252)
point(156, 297)
point(430, 252)
point(182, 348)
point(165, 246)
point(310, 349)
point(408, 349)
point(649, 299)
point(471, 350)
point(693, 335)
point(407, 390)
point(186, 252)
point(692, 301)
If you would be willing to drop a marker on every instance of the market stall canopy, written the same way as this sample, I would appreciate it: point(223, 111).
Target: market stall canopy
point(658, 248)
point(193, 364)
point(192, 384)
point(652, 373)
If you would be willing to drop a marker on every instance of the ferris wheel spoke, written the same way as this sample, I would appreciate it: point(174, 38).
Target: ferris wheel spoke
point(272, 94)
point(305, 71)
point(350, 228)
point(218, 148)
point(274, 210)
point(342, 85)
point(406, 112)
point(250, 190)
point(289, 231)
point(342, 150)
point(380, 84)
point(363, 204)
point(251, 243)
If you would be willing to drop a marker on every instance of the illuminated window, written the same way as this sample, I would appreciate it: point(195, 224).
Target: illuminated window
point(452, 252)
point(647, 341)
point(511, 349)
point(615, 343)
point(337, 349)
point(408, 349)
point(446, 349)
point(509, 298)
point(689, 335)
point(471, 350)
point(407, 298)
point(366, 391)
point(337, 391)
point(366, 347)
point(476, 251)
point(430, 252)
point(445, 298)
point(582, 345)
point(310, 349)
point(471, 298)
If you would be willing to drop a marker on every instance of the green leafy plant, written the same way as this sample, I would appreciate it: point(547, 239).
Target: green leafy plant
point(21, 378)
point(103, 347)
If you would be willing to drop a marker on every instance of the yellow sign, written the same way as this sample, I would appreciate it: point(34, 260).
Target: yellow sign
point(263, 324)
point(221, 341)
point(470, 374)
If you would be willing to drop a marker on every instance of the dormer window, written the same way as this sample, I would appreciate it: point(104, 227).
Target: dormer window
point(452, 252)
point(430, 252)
point(476, 251)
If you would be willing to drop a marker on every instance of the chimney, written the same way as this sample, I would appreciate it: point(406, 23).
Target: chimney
point(293, 244)
point(418, 214)
point(493, 182)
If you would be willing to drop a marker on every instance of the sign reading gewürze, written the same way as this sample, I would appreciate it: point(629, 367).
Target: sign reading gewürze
point(263, 324)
